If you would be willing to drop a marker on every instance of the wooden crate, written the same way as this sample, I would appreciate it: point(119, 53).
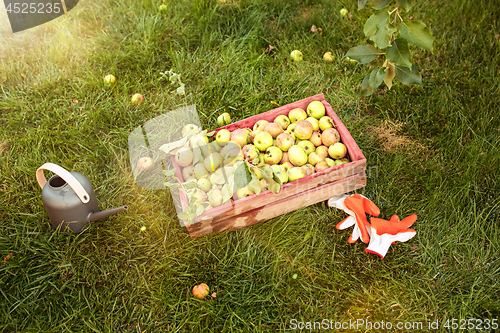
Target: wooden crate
point(303, 192)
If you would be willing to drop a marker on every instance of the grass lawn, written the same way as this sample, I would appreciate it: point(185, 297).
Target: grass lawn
point(432, 150)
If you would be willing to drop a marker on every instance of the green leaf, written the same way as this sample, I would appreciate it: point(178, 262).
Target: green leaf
point(407, 76)
point(417, 33)
point(366, 89)
point(378, 29)
point(363, 53)
point(390, 73)
point(406, 4)
point(376, 78)
point(242, 177)
point(399, 53)
point(254, 184)
point(268, 175)
point(379, 4)
point(361, 4)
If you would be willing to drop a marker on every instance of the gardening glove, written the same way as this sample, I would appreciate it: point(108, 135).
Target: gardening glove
point(383, 233)
point(356, 206)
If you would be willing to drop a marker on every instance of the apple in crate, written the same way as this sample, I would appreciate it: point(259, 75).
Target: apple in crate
point(184, 156)
point(316, 109)
point(241, 136)
point(273, 155)
point(307, 145)
point(283, 121)
point(325, 122)
point(223, 136)
point(297, 155)
point(261, 125)
point(284, 141)
point(330, 136)
point(337, 151)
point(297, 115)
point(263, 140)
point(303, 130)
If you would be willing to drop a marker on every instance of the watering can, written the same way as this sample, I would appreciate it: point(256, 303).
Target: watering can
point(69, 199)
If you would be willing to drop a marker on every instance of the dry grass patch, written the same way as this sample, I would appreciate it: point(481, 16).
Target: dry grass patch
point(389, 134)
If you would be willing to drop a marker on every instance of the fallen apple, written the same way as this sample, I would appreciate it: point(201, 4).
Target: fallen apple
point(328, 57)
point(162, 8)
point(137, 99)
point(343, 12)
point(109, 79)
point(296, 55)
point(200, 291)
point(316, 109)
point(224, 119)
point(145, 163)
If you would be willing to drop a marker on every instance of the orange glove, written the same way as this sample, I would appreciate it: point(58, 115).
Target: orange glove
point(356, 206)
point(384, 233)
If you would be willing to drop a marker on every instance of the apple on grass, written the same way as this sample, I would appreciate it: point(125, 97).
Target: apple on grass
point(283, 121)
point(200, 291)
point(316, 109)
point(223, 136)
point(224, 119)
point(303, 130)
point(296, 115)
point(296, 55)
point(110, 79)
point(145, 163)
point(297, 155)
point(261, 125)
point(263, 140)
point(328, 57)
point(325, 122)
point(343, 12)
point(284, 141)
point(274, 129)
point(273, 155)
point(137, 99)
point(162, 8)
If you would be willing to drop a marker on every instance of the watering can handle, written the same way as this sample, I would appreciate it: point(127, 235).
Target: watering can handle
point(66, 176)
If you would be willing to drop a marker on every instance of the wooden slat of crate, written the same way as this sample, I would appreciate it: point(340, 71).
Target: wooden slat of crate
point(283, 206)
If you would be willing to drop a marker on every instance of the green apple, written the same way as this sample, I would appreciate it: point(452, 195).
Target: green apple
point(314, 158)
point(330, 162)
point(316, 109)
point(263, 140)
point(296, 115)
point(320, 166)
point(325, 122)
point(274, 129)
point(330, 136)
point(297, 155)
point(241, 136)
point(287, 166)
point(307, 145)
point(322, 151)
point(280, 172)
point(352, 61)
point(314, 122)
point(315, 139)
point(145, 163)
point(224, 119)
point(214, 147)
point(215, 197)
point(204, 184)
point(184, 156)
point(189, 129)
point(328, 57)
point(250, 153)
point(337, 150)
point(213, 161)
point(273, 155)
point(295, 173)
point(137, 99)
point(261, 125)
point(110, 79)
point(200, 171)
point(291, 129)
point(303, 130)
point(188, 172)
point(284, 141)
point(296, 55)
point(283, 121)
point(223, 136)
point(242, 192)
point(162, 8)
point(343, 12)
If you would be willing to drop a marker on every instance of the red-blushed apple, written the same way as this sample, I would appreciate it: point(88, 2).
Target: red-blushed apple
point(263, 140)
point(337, 150)
point(184, 156)
point(295, 173)
point(273, 155)
point(215, 197)
point(320, 166)
point(224, 119)
point(261, 124)
point(284, 141)
point(314, 158)
point(280, 172)
point(273, 129)
point(145, 163)
point(254, 134)
point(314, 122)
point(307, 145)
point(296, 115)
point(297, 155)
point(204, 184)
point(188, 172)
point(328, 57)
point(296, 55)
point(325, 122)
point(241, 137)
point(250, 153)
point(200, 291)
point(223, 136)
point(322, 151)
point(200, 171)
point(287, 166)
point(263, 185)
point(308, 169)
point(199, 195)
point(330, 136)
point(283, 121)
point(137, 99)
point(303, 130)
point(284, 158)
point(315, 139)
point(316, 109)
point(213, 161)
point(291, 129)
point(110, 79)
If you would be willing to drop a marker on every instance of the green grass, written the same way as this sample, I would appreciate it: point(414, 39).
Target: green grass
point(431, 150)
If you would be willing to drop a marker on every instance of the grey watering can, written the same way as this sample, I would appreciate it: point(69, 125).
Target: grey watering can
point(69, 199)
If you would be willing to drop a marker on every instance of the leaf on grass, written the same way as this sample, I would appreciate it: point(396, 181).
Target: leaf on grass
point(366, 89)
point(376, 78)
point(406, 4)
point(390, 73)
point(407, 76)
point(363, 53)
point(269, 48)
point(361, 4)
point(399, 53)
point(417, 33)
point(379, 4)
point(378, 29)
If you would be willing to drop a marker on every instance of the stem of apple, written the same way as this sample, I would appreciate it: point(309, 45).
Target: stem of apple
point(394, 22)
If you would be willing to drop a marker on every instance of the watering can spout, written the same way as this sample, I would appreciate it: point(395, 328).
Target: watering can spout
point(102, 214)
